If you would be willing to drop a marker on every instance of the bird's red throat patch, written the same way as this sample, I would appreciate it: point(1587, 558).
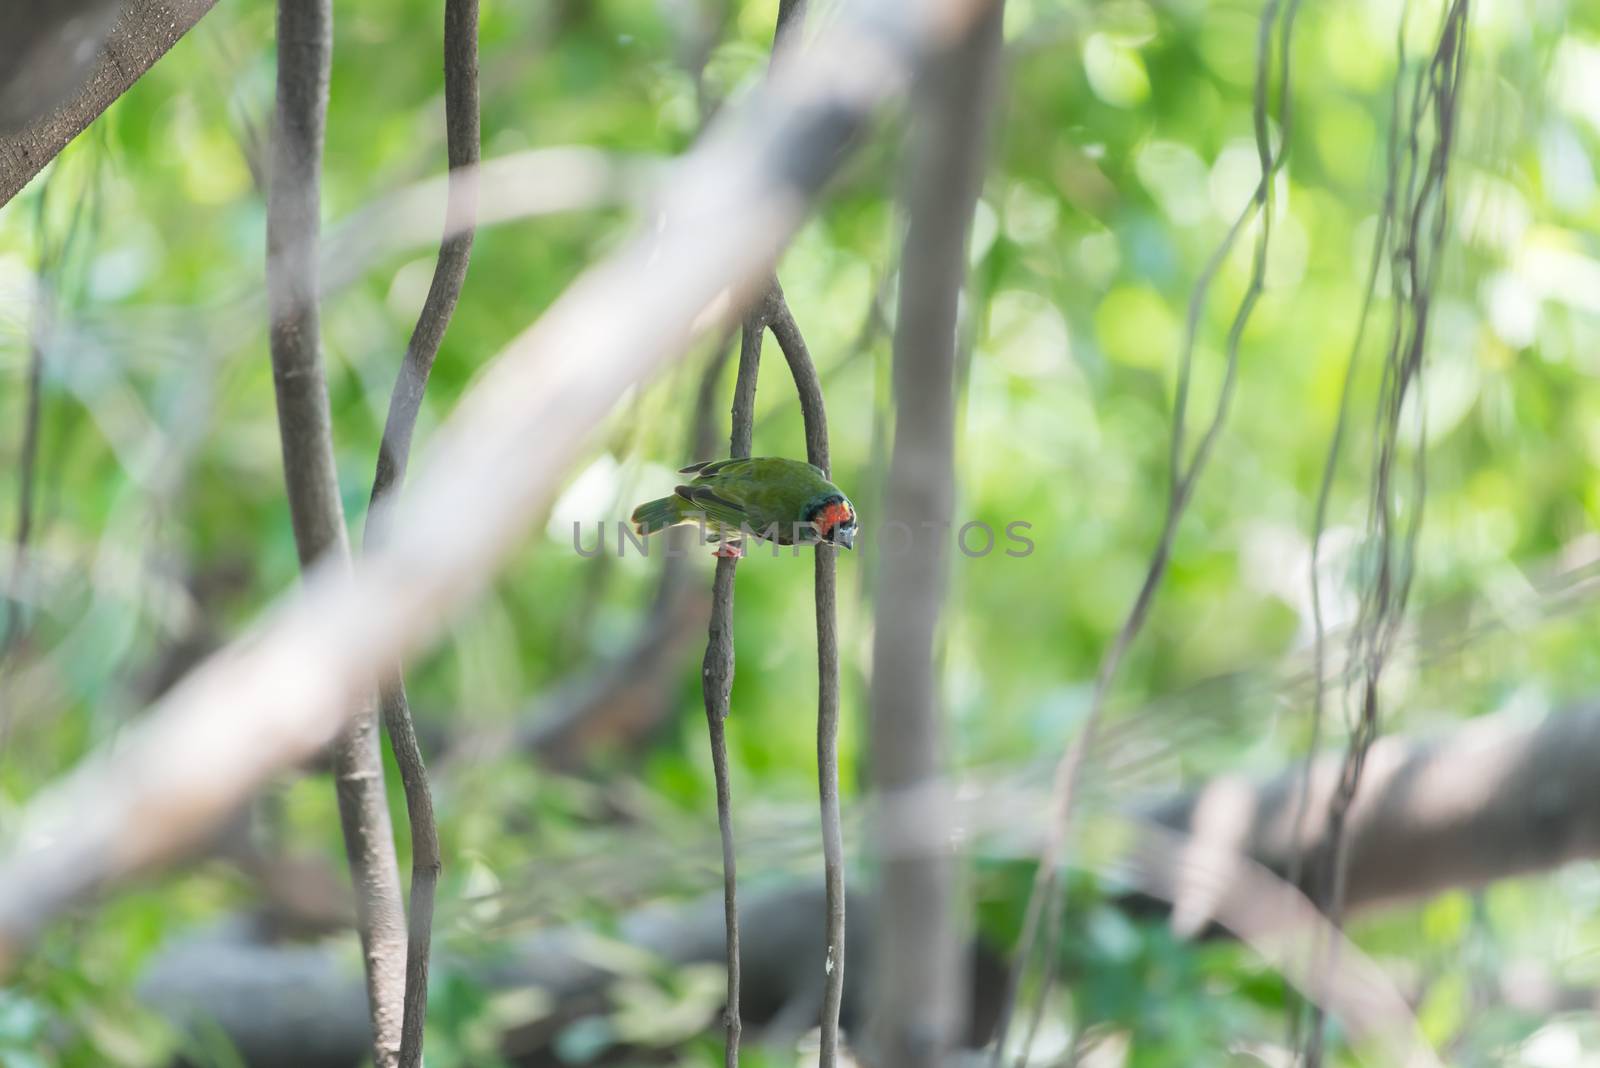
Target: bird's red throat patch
point(832, 515)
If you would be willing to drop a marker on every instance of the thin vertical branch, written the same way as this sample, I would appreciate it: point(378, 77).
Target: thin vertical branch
point(778, 317)
point(919, 998)
point(425, 862)
point(716, 677)
point(717, 685)
point(305, 45)
point(405, 404)
point(813, 410)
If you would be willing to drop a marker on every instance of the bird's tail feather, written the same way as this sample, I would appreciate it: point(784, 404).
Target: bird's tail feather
point(660, 514)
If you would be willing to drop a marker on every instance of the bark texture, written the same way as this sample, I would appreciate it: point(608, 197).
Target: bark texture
point(717, 680)
point(38, 118)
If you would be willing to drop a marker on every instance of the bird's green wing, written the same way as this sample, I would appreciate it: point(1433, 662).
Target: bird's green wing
point(767, 489)
point(708, 468)
point(718, 509)
point(762, 467)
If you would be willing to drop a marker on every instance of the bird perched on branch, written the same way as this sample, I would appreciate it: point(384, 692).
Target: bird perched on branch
point(767, 497)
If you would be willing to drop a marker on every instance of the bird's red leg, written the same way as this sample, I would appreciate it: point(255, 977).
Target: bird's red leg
point(730, 551)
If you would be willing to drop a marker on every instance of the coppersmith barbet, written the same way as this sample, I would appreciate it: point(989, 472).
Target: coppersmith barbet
point(766, 497)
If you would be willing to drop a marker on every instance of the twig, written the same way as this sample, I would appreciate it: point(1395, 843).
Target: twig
point(717, 684)
point(791, 21)
point(1414, 264)
point(717, 677)
point(918, 988)
point(405, 404)
point(1330, 465)
point(305, 45)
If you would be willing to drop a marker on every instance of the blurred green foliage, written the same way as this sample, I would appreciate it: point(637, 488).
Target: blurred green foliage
point(1123, 151)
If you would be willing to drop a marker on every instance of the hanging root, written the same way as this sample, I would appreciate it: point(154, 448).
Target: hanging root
point(1186, 466)
point(1418, 184)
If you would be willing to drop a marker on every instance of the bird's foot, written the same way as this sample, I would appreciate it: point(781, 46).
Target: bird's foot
point(731, 551)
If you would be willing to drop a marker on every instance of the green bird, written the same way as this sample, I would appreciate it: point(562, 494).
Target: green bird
point(766, 497)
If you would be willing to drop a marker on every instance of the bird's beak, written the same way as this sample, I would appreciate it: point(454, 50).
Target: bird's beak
point(847, 537)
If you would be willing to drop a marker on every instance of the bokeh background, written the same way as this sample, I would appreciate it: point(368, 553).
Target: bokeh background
point(1124, 149)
